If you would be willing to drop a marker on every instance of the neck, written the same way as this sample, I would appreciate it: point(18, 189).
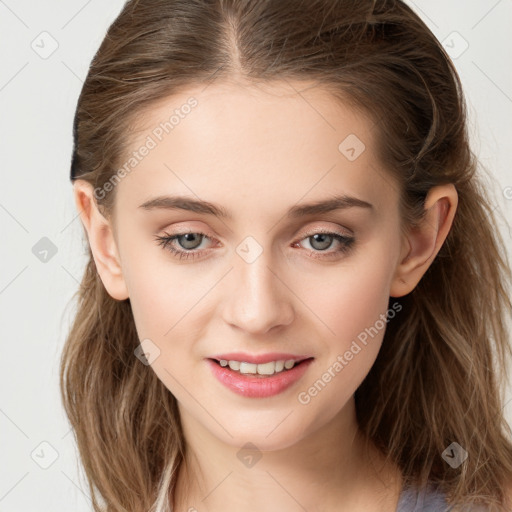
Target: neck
point(329, 469)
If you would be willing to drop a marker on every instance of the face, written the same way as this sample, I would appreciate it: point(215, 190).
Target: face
point(265, 277)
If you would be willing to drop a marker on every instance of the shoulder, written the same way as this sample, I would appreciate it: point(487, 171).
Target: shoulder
point(431, 499)
point(427, 499)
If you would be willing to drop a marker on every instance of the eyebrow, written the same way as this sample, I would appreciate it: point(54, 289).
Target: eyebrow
point(338, 202)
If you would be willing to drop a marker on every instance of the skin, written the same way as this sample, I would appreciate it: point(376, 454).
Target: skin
point(257, 151)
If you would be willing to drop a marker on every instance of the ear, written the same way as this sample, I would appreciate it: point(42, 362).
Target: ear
point(101, 240)
point(422, 243)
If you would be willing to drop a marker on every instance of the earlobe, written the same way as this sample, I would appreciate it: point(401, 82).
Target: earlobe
point(423, 243)
point(101, 240)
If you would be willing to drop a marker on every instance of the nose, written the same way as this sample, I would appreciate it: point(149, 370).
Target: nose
point(258, 297)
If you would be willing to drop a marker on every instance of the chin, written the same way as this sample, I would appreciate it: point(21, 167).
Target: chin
point(267, 433)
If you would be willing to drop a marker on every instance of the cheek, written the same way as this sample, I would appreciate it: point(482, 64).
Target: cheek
point(352, 298)
point(162, 293)
point(354, 307)
point(165, 310)
point(165, 302)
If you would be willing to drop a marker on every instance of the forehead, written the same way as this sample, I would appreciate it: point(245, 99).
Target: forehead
point(275, 142)
point(296, 111)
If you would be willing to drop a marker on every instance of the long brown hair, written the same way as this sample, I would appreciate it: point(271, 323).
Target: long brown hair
point(440, 375)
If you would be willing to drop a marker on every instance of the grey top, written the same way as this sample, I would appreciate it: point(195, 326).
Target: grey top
point(429, 499)
point(426, 500)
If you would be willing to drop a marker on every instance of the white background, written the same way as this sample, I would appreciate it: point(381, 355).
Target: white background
point(37, 102)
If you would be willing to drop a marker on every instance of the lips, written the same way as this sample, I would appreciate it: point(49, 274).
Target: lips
point(259, 386)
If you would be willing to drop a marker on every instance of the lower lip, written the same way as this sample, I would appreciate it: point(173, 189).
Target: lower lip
point(258, 387)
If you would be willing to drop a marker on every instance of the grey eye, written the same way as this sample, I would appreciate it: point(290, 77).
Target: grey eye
point(321, 241)
point(190, 240)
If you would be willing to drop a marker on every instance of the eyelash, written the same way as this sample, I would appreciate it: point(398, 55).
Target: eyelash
point(345, 247)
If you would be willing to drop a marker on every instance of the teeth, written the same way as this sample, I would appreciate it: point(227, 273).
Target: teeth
point(267, 368)
point(248, 368)
point(261, 369)
point(234, 365)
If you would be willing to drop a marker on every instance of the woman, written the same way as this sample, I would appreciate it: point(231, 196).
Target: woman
point(296, 292)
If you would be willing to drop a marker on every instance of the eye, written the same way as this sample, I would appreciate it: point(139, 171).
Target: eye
point(189, 241)
point(322, 240)
point(187, 245)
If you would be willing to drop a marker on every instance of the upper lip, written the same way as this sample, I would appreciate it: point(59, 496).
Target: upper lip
point(259, 358)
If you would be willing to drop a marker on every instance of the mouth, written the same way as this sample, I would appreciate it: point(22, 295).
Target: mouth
point(260, 370)
point(259, 380)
